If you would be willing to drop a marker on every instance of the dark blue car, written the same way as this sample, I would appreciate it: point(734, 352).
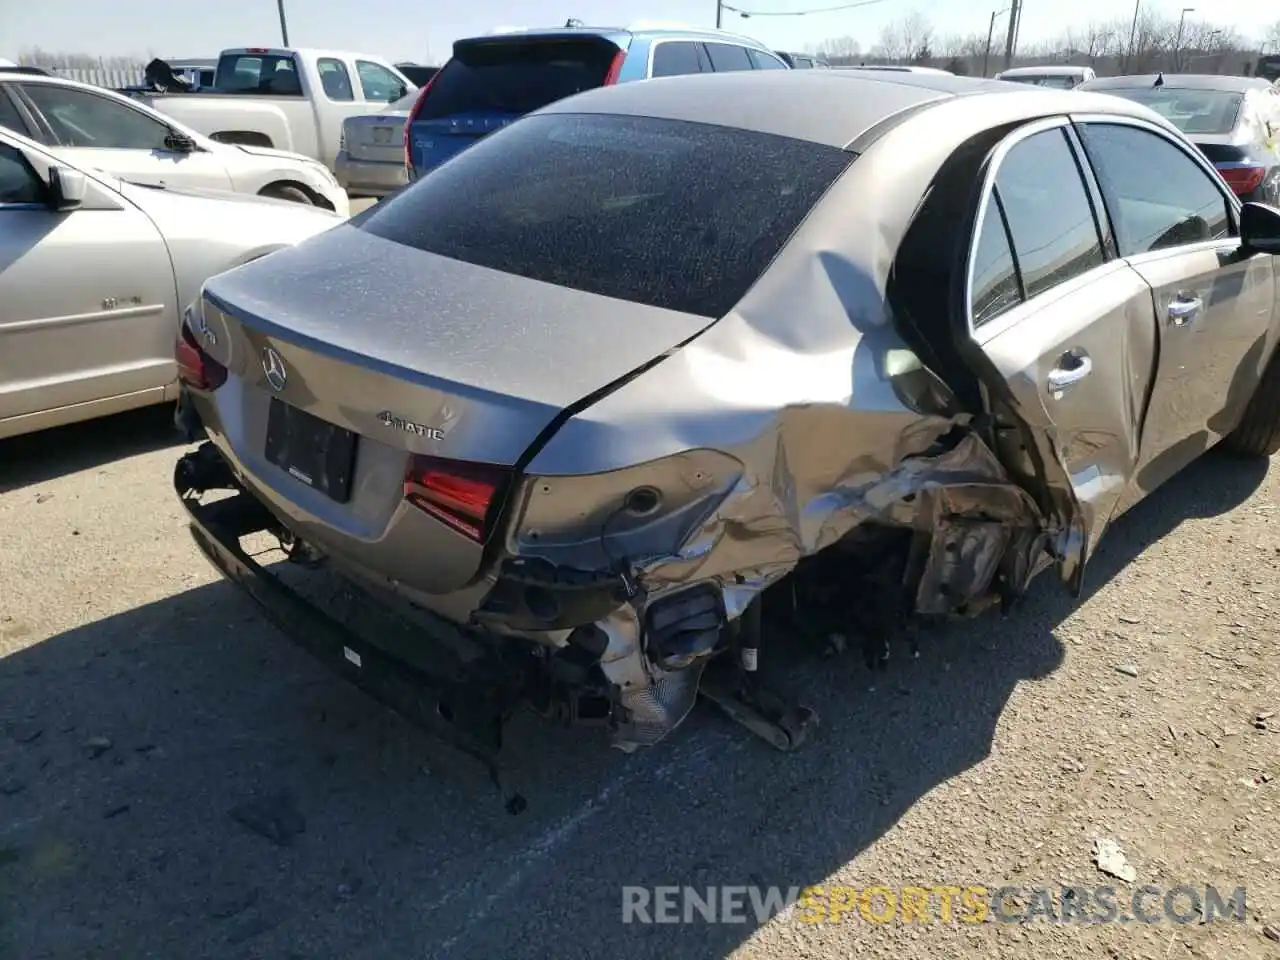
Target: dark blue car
point(491, 80)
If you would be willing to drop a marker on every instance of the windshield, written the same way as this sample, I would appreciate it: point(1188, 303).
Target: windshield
point(516, 76)
point(683, 216)
point(1063, 82)
point(405, 103)
point(1191, 111)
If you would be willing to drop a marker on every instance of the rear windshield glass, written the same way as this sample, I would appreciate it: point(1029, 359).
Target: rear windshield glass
point(1064, 82)
point(516, 77)
point(1190, 110)
point(258, 73)
point(667, 213)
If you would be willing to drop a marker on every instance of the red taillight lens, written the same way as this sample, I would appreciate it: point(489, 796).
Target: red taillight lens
point(459, 494)
point(1243, 179)
point(195, 367)
point(413, 115)
point(615, 67)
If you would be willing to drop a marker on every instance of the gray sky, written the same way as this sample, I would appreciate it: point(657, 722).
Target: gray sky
point(423, 31)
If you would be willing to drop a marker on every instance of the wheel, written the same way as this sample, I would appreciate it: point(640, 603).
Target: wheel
point(1258, 434)
point(283, 191)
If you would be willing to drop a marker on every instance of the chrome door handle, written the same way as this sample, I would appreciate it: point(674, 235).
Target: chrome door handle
point(1062, 377)
point(1184, 309)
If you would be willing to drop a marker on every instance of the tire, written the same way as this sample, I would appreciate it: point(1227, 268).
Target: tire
point(283, 191)
point(1258, 434)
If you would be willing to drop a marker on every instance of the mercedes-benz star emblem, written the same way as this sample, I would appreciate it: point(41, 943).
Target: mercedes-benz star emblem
point(273, 367)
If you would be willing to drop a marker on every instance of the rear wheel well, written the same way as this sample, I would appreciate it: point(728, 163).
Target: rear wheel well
point(247, 138)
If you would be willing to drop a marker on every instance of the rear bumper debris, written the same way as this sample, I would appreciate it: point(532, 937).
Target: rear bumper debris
point(465, 705)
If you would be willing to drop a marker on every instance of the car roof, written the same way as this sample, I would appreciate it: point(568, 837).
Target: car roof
point(832, 107)
point(1178, 81)
point(614, 33)
point(1048, 70)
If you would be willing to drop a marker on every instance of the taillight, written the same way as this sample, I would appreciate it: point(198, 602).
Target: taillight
point(615, 67)
point(456, 493)
point(195, 367)
point(413, 115)
point(1242, 178)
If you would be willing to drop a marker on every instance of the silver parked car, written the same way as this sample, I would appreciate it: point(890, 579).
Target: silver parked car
point(659, 367)
point(94, 273)
point(371, 156)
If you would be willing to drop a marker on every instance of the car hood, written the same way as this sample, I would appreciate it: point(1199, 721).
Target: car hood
point(271, 154)
point(193, 202)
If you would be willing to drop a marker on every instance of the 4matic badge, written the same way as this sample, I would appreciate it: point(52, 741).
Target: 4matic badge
point(389, 419)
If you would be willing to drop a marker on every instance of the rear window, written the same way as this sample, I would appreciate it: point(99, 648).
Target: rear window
point(671, 214)
point(516, 77)
point(1061, 81)
point(1190, 110)
point(258, 73)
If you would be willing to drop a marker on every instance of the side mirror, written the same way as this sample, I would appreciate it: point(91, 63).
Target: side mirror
point(180, 143)
point(1259, 228)
point(67, 188)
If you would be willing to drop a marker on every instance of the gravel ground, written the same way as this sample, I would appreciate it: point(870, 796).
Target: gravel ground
point(147, 714)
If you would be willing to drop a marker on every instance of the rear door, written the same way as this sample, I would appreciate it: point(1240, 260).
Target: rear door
point(108, 332)
point(493, 80)
point(1175, 225)
point(107, 134)
point(1066, 330)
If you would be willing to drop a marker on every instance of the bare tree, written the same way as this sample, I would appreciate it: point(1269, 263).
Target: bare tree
point(905, 39)
point(838, 47)
point(1272, 38)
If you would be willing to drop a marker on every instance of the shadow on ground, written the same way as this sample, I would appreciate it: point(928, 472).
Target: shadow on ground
point(128, 745)
point(40, 457)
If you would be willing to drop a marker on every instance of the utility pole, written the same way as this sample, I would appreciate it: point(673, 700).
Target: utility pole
point(719, 11)
point(1177, 44)
point(1133, 33)
point(284, 27)
point(1015, 12)
point(991, 30)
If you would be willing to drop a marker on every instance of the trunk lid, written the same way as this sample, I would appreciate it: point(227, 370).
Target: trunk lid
point(491, 81)
point(414, 353)
point(378, 138)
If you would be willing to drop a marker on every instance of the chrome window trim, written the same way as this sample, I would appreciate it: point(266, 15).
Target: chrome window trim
point(1024, 132)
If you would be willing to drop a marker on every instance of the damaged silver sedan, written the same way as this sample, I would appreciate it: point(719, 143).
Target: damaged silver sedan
point(607, 396)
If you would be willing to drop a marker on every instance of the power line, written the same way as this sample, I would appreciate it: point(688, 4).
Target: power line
point(799, 13)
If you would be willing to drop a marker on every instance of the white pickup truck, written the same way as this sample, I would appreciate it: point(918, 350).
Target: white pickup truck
point(286, 98)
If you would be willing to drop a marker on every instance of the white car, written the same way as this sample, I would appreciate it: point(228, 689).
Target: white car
point(96, 128)
point(95, 273)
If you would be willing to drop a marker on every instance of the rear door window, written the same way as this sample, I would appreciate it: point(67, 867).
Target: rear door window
point(674, 58)
point(727, 56)
point(767, 61)
point(672, 214)
point(515, 77)
point(1051, 221)
point(334, 79)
